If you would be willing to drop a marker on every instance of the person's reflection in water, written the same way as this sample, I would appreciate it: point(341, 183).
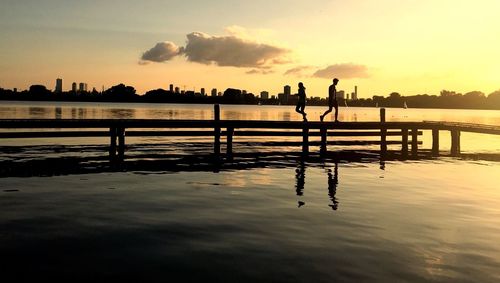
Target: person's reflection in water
point(300, 176)
point(333, 181)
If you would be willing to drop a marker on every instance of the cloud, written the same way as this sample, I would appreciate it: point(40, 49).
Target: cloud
point(298, 71)
point(343, 71)
point(259, 71)
point(230, 50)
point(161, 52)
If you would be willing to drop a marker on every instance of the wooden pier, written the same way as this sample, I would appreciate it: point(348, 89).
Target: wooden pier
point(118, 129)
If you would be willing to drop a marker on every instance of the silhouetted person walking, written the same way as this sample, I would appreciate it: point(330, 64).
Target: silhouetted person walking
point(333, 181)
point(300, 176)
point(301, 103)
point(332, 101)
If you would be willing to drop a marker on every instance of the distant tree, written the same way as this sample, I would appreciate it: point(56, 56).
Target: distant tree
point(394, 95)
point(120, 92)
point(493, 100)
point(39, 91)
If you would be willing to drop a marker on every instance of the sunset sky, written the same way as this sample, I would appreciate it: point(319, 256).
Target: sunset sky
point(408, 46)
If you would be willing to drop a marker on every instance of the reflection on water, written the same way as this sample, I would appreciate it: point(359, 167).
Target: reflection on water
point(333, 181)
point(153, 222)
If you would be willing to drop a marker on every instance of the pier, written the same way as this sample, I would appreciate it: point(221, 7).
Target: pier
point(228, 131)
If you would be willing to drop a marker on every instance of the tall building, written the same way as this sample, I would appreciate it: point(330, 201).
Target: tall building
point(287, 90)
point(264, 95)
point(355, 93)
point(214, 92)
point(58, 85)
point(73, 87)
point(171, 88)
point(177, 90)
point(202, 91)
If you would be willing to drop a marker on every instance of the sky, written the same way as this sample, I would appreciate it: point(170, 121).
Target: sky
point(408, 46)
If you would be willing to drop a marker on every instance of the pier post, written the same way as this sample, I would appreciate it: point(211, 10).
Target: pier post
point(216, 130)
point(112, 143)
point(323, 148)
point(121, 143)
point(404, 142)
point(229, 143)
point(435, 142)
point(455, 142)
point(383, 132)
point(305, 139)
point(414, 142)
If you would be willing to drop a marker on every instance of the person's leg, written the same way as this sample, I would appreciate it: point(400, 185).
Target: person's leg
point(336, 112)
point(297, 109)
point(326, 112)
point(304, 114)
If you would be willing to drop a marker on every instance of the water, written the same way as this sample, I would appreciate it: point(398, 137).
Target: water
point(270, 216)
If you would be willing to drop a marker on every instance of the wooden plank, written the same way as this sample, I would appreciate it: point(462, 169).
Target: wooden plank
point(305, 140)
point(317, 143)
point(414, 142)
point(112, 143)
point(163, 123)
point(435, 142)
point(323, 134)
point(229, 141)
point(404, 142)
point(189, 133)
point(121, 143)
point(216, 130)
point(455, 142)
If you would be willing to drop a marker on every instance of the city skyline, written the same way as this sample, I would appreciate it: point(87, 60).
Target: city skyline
point(411, 47)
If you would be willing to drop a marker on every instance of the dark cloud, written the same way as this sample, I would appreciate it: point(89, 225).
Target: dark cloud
point(298, 71)
point(161, 52)
point(344, 71)
point(230, 50)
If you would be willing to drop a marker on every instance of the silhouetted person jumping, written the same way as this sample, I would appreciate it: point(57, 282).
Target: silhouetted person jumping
point(301, 103)
point(332, 101)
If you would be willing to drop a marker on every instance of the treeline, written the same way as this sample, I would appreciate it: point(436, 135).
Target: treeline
point(123, 93)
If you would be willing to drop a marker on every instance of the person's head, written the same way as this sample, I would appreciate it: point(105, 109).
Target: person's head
point(301, 85)
point(335, 81)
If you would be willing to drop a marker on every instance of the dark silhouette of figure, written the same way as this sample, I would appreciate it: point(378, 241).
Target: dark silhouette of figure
point(333, 181)
point(300, 176)
point(301, 103)
point(332, 101)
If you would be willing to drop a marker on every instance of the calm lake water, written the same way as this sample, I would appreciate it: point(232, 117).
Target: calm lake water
point(271, 216)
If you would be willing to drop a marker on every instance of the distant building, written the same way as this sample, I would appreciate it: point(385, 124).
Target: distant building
point(58, 85)
point(264, 95)
point(219, 93)
point(15, 89)
point(171, 88)
point(73, 87)
point(177, 89)
point(355, 93)
point(244, 92)
point(202, 91)
point(282, 98)
point(347, 96)
point(287, 91)
point(214, 92)
point(341, 94)
point(82, 87)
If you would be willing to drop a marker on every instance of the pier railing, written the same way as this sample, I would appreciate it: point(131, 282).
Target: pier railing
point(118, 129)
